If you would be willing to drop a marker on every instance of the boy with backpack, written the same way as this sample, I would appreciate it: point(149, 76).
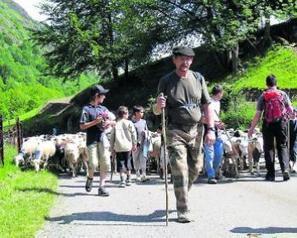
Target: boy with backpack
point(123, 139)
point(275, 106)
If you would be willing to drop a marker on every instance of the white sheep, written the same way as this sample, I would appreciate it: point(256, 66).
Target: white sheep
point(43, 152)
point(72, 156)
point(27, 151)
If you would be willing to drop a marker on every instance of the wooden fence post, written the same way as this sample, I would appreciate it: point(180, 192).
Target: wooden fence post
point(1, 141)
point(19, 134)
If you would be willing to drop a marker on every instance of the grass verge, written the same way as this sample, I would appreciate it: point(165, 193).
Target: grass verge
point(25, 198)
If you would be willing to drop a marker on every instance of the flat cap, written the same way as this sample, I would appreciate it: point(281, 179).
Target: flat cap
point(183, 50)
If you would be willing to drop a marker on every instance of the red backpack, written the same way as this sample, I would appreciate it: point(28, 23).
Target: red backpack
point(275, 107)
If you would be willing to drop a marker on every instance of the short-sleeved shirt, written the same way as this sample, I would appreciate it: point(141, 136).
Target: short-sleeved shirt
point(140, 127)
point(261, 102)
point(90, 113)
point(216, 105)
point(184, 97)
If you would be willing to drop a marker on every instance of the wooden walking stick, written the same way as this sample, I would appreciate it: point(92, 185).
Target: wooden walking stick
point(165, 159)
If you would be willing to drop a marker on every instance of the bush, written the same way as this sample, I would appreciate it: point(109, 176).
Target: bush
point(239, 113)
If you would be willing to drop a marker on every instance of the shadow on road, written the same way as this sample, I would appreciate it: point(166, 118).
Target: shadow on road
point(266, 230)
point(47, 190)
point(104, 216)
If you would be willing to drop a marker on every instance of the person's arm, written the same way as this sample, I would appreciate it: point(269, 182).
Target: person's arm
point(133, 136)
point(161, 99)
point(112, 139)
point(257, 116)
point(208, 113)
point(85, 124)
point(254, 123)
point(209, 120)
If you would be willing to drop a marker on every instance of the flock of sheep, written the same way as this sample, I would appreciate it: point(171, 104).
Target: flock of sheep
point(69, 152)
point(64, 151)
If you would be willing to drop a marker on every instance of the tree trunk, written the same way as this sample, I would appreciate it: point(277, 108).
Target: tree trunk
point(126, 69)
point(235, 58)
point(267, 36)
point(115, 72)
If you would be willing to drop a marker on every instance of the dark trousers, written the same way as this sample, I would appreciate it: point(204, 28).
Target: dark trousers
point(278, 131)
point(293, 140)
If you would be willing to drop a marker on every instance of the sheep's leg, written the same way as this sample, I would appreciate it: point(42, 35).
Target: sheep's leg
point(36, 165)
point(234, 160)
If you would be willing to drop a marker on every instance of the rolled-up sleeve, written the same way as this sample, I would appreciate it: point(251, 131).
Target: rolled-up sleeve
point(205, 98)
point(84, 117)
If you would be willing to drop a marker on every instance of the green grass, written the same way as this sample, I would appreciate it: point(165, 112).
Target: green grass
point(280, 61)
point(25, 198)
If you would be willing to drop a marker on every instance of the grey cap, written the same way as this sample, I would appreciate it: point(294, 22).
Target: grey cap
point(98, 89)
point(183, 50)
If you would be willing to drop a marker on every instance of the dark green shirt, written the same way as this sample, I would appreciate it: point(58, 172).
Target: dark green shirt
point(185, 96)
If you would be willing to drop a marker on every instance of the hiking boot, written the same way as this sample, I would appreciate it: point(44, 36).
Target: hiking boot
point(212, 181)
point(89, 184)
point(286, 175)
point(102, 192)
point(182, 217)
point(122, 184)
point(138, 179)
point(144, 178)
point(269, 177)
point(128, 182)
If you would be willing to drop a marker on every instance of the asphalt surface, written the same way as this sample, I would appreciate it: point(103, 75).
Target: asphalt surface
point(246, 207)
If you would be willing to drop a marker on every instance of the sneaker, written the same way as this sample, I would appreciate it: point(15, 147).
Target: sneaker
point(182, 217)
point(286, 175)
point(212, 181)
point(138, 179)
point(269, 177)
point(144, 178)
point(102, 192)
point(89, 184)
point(122, 184)
point(128, 182)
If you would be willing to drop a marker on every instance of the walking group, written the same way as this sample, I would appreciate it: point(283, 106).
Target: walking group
point(193, 131)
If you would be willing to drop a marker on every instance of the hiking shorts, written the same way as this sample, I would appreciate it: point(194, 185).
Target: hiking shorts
point(99, 157)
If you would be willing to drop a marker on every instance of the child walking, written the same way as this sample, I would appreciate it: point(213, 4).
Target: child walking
point(123, 140)
point(141, 153)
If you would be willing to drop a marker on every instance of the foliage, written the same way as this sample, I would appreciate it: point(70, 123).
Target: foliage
point(280, 61)
point(104, 35)
point(23, 85)
point(239, 113)
point(25, 198)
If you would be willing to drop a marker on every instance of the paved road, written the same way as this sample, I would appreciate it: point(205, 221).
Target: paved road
point(247, 207)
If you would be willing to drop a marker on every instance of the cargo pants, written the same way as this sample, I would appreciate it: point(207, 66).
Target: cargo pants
point(186, 160)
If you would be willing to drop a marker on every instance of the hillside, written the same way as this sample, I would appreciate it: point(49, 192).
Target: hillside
point(281, 61)
point(23, 86)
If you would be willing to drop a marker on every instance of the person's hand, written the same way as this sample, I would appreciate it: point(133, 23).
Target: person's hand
point(161, 102)
point(203, 120)
point(98, 119)
point(220, 125)
point(210, 137)
point(134, 148)
point(107, 123)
